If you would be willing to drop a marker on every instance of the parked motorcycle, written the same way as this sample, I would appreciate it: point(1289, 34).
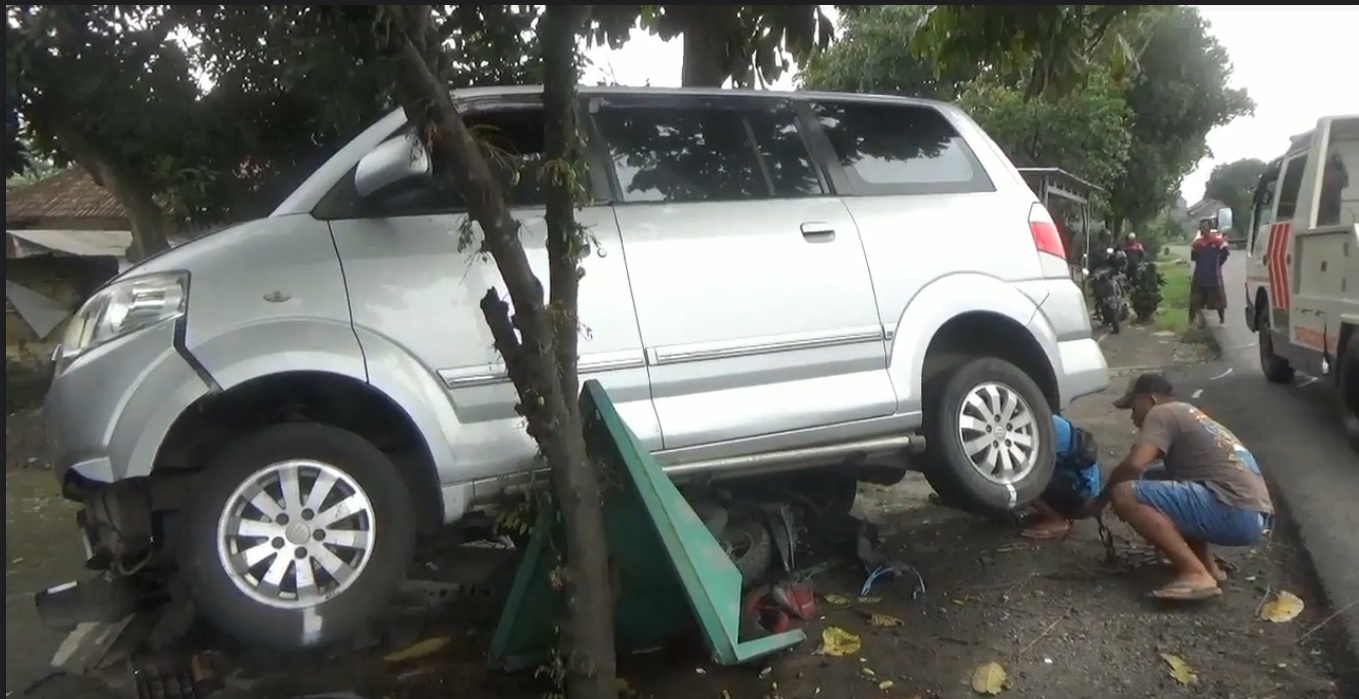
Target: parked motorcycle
point(1110, 285)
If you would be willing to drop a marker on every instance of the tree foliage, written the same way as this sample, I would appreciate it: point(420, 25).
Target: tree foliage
point(1178, 94)
point(1055, 46)
point(1083, 131)
point(744, 43)
point(1234, 184)
point(873, 55)
point(101, 85)
point(203, 114)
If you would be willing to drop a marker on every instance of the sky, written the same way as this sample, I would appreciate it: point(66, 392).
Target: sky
point(1292, 59)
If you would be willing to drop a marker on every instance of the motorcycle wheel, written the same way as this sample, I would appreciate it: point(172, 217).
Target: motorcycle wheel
point(1113, 318)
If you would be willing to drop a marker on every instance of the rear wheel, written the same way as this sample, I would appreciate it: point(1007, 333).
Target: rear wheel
point(296, 536)
point(1275, 368)
point(1348, 395)
point(1113, 314)
point(989, 436)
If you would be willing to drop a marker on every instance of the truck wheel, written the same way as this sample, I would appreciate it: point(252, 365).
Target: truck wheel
point(296, 536)
point(1347, 397)
point(989, 437)
point(1275, 368)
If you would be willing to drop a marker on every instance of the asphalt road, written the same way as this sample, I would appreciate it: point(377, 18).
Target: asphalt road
point(1296, 435)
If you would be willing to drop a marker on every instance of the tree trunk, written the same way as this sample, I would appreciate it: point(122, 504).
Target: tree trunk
point(704, 64)
point(148, 221)
point(543, 364)
point(588, 639)
point(708, 59)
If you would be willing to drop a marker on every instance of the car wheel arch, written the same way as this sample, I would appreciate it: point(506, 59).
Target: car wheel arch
point(930, 323)
point(298, 395)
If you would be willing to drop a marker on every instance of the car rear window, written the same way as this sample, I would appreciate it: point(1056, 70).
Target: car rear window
point(899, 149)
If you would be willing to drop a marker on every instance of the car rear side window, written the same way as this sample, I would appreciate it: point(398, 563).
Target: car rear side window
point(707, 151)
point(899, 149)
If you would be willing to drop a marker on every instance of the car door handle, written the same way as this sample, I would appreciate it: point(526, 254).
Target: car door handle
point(818, 232)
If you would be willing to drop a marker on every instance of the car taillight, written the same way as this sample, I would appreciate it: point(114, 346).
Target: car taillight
point(1045, 234)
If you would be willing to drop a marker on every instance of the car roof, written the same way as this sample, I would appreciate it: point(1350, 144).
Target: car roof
point(601, 90)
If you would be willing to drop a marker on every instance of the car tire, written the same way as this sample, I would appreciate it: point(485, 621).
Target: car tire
point(951, 470)
point(1275, 368)
point(750, 547)
point(1347, 393)
point(220, 536)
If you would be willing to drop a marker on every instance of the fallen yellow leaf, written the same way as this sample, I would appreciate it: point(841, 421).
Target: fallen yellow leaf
point(1283, 608)
point(836, 600)
point(884, 620)
point(1180, 670)
point(989, 679)
point(837, 642)
point(418, 650)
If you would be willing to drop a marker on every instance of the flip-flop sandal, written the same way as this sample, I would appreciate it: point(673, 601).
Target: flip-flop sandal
point(1046, 535)
point(1180, 592)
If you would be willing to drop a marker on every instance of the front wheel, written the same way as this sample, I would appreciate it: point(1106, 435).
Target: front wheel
point(1275, 368)
point(296, 536)
point(989, 436)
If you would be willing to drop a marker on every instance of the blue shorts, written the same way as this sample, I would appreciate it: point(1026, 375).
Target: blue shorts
point(1198, 513)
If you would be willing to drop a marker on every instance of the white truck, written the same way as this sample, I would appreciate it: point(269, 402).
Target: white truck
point(1302, 278)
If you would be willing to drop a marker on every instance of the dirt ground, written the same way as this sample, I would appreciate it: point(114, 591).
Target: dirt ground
point(1060, 620)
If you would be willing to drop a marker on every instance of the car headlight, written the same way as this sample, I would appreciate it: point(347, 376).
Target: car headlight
point(124, 307)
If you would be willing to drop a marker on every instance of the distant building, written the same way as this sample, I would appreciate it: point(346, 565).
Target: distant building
point(64, 237)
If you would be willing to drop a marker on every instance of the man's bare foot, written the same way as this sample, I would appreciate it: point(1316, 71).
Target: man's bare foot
point(1213, 568)
point(1047, 530)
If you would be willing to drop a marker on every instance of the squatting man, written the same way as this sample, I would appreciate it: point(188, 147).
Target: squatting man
point(1186, 484)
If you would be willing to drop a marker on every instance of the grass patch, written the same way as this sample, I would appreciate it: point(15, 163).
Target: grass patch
point(1173, 314)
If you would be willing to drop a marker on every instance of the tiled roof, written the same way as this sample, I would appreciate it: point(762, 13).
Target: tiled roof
point(71, 193)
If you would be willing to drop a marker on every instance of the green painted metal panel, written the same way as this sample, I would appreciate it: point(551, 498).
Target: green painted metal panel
point(671, 576)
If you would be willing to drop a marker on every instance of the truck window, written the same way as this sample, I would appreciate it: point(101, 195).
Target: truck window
point(1338, 201)
point(1263, 212)
point(1288, 193)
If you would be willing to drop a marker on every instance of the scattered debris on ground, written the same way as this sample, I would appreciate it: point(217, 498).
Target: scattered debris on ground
point(960, 607)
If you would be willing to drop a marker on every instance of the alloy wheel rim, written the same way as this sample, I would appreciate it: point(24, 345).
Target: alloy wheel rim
point(998, 433)
point(296, 533)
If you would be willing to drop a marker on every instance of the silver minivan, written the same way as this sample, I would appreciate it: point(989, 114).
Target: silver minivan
point(269, 416)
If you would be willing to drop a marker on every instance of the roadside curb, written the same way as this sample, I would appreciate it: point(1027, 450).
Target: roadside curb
point(1326, 552)
point(1206, 336)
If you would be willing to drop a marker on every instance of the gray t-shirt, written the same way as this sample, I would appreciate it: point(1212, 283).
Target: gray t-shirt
point(1198, 448)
